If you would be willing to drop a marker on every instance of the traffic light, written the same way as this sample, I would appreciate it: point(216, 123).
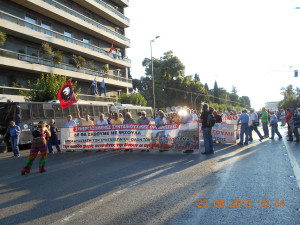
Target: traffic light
point(296, 73)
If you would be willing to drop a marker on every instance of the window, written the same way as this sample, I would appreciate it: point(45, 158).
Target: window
point(68, 33)
point(85, 40)
point(30, 19)
point(46, 25)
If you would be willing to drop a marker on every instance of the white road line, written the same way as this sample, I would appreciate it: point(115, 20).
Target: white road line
point(294, 164)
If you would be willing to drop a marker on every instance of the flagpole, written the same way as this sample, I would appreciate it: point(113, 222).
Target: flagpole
point(153, 76)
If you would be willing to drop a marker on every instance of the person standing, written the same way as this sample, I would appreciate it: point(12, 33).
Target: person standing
point(274, 125)
point(282, 118)
point(253, 123)
point(143, 120)
point(109, 118)
point(264, 121)
point(85, 122)
point(206, 129)
point(138, 118)
point(115, 120)
point(128, 119)
point(121, 117)
point(101, 120)
point(14, 131)
point(291, 118)
point(39, 144)
point(243, 121)
point(218, 118)
point(70, 122)
point(53, 139)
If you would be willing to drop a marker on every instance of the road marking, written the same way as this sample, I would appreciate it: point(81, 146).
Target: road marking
point(294, 163)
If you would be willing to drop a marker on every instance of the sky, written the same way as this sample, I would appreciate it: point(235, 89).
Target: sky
point(251, 44)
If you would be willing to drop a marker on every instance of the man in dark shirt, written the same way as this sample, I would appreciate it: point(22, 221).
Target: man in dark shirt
point(218, 118)
point(208, 142)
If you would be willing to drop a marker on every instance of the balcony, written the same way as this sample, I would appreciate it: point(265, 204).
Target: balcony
point(33, 32)
point(13, 91)
point(40, 65)
point(106, 11)
point(72, 18)
point(123, 3)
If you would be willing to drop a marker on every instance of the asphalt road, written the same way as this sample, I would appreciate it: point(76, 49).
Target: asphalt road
point(229, 187)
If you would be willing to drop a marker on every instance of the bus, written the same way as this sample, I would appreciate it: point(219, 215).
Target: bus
point(133, 109)
point(28, 114)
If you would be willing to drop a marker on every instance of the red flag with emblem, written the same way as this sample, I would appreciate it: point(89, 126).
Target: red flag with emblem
point(66, 95)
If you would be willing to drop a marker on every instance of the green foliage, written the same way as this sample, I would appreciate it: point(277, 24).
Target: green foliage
point(78, 61)
point(46, 88)
point(173, 87)
point(58, 57)
point(47, 50)
point(290, 97)
point(2, 38)
point(17, 85)
point(135, 99)
point(105, 69)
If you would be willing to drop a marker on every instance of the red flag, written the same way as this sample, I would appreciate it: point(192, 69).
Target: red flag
point(112, 46)
point(66, 95)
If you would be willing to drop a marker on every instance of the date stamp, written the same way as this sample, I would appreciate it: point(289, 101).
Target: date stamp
point(239, 203)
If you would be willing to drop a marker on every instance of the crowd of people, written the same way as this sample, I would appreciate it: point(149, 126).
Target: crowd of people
point(44, 137)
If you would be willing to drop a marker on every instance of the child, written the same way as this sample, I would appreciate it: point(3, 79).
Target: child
point(39, 143)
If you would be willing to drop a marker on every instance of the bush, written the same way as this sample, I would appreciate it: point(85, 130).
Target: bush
point(57, 58)
point(78, 61)
point(47, 49)
point(2, 38)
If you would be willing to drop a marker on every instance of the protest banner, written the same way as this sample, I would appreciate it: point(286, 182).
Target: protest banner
point(224, 133)
point(131, 136)
point(233, 119)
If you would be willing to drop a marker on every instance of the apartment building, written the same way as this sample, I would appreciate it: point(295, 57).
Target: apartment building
point(86, 29)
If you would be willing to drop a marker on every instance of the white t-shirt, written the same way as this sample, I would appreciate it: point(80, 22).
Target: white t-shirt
point(253, 116)
point(102, 122)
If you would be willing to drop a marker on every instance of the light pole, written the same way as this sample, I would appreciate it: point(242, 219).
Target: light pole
point(153, 75)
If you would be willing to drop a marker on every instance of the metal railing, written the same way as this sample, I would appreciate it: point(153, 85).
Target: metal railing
point(17, 91)
point(55, 34)
point(74, 13)
point(112, 9)
point(47, 62)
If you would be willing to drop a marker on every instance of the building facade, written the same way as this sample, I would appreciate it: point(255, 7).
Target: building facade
point(272, 105)
point(74, 29)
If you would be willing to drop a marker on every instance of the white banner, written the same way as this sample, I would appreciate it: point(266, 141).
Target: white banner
point(131, 136)
point(225, 133)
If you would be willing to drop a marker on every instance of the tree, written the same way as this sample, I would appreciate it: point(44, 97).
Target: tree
point(290, 98)
point(2, 38)
point(196, 77)
point(206, 86)
point(216, 93)
point(46, 88)
point(234, 91)
point(135, 99)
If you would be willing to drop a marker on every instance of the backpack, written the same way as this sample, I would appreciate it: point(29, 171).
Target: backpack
point(210, 120)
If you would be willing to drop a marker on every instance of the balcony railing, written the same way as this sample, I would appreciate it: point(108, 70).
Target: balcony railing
point(4, 90)
point(113, 10)
point(55, 34)
point(74, 13)
point(46, 62)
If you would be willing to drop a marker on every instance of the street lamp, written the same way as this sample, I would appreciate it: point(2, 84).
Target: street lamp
point(153, 75)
